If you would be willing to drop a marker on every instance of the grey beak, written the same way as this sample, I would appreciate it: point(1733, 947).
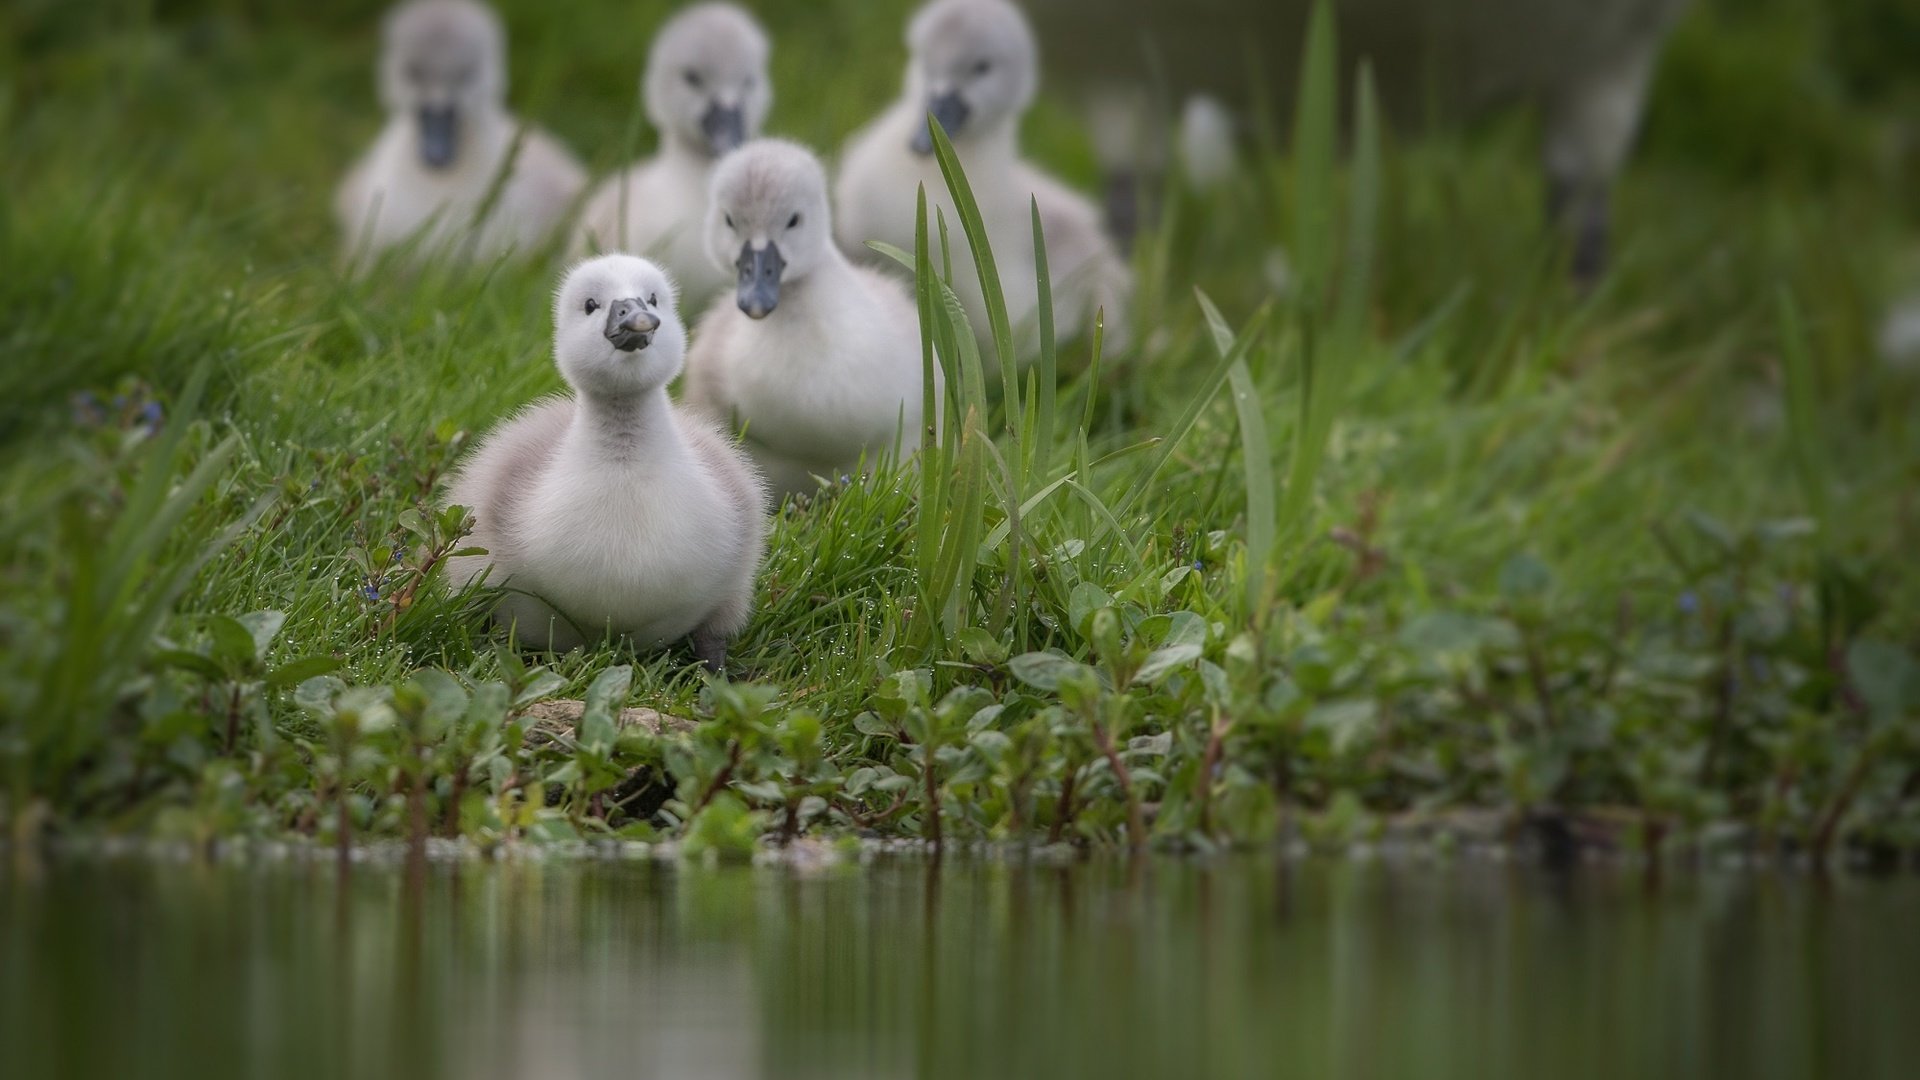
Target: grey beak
point(630, 325)
point(724, 128)
point(950, 111)
point(439, 135)
point(760, 279)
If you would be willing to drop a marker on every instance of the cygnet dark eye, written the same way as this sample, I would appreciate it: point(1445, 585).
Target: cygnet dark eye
point(981, 67)
point(692, 77)
point(794, 221)
point(592, 305)
point(653, 300)
point(729, 218)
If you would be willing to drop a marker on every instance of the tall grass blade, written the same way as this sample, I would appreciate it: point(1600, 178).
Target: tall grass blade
point(1803, 418)
point(1256, 451)
point(1363, 214)
point(1316, 116)
point(1139, 484)
point(1040, 439)
point(975, 228)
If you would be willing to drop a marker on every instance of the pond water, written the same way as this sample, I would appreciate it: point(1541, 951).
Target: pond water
point(903, 968)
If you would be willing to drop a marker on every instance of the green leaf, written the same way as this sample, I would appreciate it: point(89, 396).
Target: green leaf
point(1046, 670)
point(232, 644)
point(1886, 677)
point(981, 647)
point(765, 791)
point(189, 661)
point(860, 780)
point(1085, 599)
point(316, 695)
point(297, 671)
point(541, 684)
point(264, 626)
point(1524, 576)
point(1454, 632)
point(1166, 660)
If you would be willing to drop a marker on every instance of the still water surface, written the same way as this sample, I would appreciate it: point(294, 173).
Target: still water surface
point(1167, 968)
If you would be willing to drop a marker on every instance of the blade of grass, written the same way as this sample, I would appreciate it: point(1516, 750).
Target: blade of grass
point(1257, 454)
point(975, 228)
point(1040, 439)
point(1209, 386)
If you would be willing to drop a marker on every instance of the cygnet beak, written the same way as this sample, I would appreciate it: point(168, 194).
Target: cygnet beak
point(630, 325)
point(725, 128)
point(760, 279)
point(439, 133)
point(950, 111)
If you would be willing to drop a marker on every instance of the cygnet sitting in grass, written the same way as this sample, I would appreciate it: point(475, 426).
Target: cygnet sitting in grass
point(974, 67)
point(816, 360)
point(613, 513)
point(448, 139)
point(706, 92)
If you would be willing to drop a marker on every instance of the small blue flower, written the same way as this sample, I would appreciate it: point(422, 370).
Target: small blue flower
point(151, 415)
point(1198, 565)
point(1689, 603)
point(371, 592)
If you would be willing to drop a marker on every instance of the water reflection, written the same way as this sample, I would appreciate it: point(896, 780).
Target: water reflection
point(1151, 968)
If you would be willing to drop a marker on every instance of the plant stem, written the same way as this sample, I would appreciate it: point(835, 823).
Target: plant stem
point(1063, 809)
point(1216, 738)
point(1850, 787)
point(450, 817)
point(720, 778)
point(933, 799)
point(1136, 821)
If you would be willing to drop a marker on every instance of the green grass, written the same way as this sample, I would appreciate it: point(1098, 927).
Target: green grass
point(1425, 531)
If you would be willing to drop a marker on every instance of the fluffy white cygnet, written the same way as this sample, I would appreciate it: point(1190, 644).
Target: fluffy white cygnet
point(612, 512)
point(448, 139)
point(706, 91)
point(817, 361)
point(974, 67)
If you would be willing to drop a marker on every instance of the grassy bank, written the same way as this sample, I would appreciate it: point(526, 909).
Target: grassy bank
point(1422, 530)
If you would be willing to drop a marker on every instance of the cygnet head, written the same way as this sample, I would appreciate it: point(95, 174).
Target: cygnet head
point(767, 217)
point(974, 64)
point(706, 83)
point(444, 64)
point(616, 330)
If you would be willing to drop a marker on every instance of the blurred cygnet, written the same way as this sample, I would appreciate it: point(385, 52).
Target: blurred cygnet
point(1207, 154)
point(817, 361)
point(706, 91)
point(431, 175)
point(974, 67)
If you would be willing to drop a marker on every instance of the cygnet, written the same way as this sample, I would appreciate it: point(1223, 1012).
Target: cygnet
point(612, 512)
point(431, 176)
point(815, 360)
point(706, 91)
point(974, 67)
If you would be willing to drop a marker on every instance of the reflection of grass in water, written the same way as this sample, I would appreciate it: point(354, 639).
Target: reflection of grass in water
point(1218, 967)
point(1516, 549)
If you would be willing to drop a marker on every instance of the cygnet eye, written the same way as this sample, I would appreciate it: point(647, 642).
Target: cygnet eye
point(592, 305)
point(729, 218)
point(794, 221)
point(653, 299)
point(692, 77)
point(981, 67)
